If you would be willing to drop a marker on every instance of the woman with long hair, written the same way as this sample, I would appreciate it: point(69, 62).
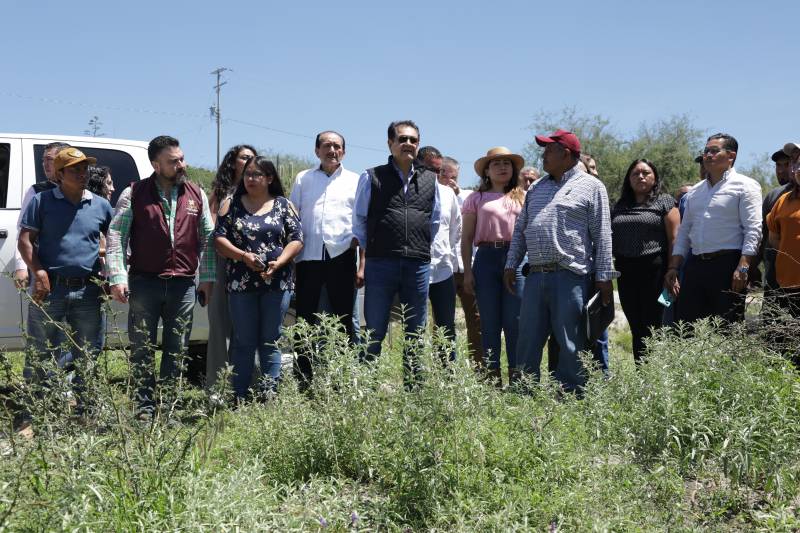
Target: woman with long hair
point(489, 215)
point(644, 223)
point(259, 233)
point(229, 175)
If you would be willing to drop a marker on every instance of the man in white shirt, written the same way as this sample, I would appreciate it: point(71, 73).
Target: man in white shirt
point(325, 198)
point(444, 253)
point(722, 227)
point(448, 176)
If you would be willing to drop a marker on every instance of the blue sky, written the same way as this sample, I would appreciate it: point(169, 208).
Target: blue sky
point(471, 74)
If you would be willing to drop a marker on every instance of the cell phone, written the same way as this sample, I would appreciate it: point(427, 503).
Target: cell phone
point(201, 298)
point(665, 298)
point(259, 262)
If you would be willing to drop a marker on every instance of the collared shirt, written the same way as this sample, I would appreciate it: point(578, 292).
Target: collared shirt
point(725, 216)
point(325, 205)
point(445, 248)
point(68, 235)
point(566, 222)
point(120, 232)
point(364, 194)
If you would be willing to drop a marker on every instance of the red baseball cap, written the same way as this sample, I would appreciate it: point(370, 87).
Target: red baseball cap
point(565, 138)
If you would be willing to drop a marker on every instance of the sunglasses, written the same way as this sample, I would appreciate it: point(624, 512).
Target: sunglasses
point(713, 150)
point(402, 139)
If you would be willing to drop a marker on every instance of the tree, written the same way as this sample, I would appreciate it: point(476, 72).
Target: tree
point(288, 166)
point(763, 171)
point(94, 127)
point(671, 145)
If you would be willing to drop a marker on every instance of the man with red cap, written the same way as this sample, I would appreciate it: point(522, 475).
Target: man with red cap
point(565, 228)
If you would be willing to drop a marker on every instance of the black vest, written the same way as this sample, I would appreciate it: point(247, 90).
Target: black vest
point(398, 223)
point(42, 186)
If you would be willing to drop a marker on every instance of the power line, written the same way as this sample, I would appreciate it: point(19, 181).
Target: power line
point(59, 101)
point(295, 134)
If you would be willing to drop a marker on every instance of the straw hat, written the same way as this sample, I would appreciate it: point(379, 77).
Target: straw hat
point(498, 152)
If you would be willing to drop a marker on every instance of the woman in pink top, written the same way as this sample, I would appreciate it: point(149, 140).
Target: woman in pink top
point(489, 215)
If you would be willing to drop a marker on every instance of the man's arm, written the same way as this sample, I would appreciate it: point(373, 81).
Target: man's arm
point(30, 226)
point(518, 247)
point(20, 268)
point(750, 219)
point(117, 247)
point(455, 231)
point(600, 232)
point(436, 212)
point(363, 194)
point(41, 281)
point(208, 257)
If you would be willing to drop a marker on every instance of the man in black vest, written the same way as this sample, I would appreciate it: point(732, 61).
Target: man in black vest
point(397, 216)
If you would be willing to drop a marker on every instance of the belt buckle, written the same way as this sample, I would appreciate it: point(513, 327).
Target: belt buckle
point(499, 244)
point(166, 276)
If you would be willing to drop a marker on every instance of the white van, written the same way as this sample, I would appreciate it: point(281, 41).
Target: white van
point(21, 167)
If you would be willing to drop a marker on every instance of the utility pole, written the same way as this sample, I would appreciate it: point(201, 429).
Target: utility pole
point(215, 111)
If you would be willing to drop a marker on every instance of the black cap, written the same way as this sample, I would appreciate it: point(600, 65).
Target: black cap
point(780, 154)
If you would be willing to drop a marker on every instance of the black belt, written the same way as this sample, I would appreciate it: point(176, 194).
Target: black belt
point(494, 244)
point(718, 253)
point(162, 277)
point(69, 281)
point(547, 267)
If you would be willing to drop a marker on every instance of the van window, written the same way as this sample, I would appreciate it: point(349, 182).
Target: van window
point(5, 164)
point(122, 165)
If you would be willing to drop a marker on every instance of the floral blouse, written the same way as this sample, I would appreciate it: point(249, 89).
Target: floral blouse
point(264, 235)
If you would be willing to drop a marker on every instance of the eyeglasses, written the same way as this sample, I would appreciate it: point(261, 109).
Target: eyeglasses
point(255, 175)
point(402, 139)
point(713, 150)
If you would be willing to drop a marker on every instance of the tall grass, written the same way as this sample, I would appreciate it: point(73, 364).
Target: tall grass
point(704, 435)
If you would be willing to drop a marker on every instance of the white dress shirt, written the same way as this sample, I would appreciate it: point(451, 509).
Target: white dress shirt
point(726, 216)
point(325, 204)
point(446, 244)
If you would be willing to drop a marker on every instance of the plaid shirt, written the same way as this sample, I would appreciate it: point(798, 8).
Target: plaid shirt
point(566, 222)
point(120, 231)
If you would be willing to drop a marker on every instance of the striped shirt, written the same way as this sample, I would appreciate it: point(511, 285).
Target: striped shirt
point(119, 234)
point(566, 222)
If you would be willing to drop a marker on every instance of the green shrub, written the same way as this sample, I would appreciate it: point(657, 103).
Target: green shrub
point(702, 436)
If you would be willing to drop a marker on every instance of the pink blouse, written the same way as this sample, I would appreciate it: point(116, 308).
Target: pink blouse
point(496, 215)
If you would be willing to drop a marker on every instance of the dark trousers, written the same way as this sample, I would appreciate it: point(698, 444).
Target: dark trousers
point(706, 289)
point(473, 320)
point(782, 332)
point(443, 304)
point(640, 284)
point(337, 275)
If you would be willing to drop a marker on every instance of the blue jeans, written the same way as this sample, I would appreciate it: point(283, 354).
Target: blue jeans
point(153, 299)
point(498, 308)
point(76, 307)
point(553, 302)
point(443, 304)
point(257, 325)
point(384, 277)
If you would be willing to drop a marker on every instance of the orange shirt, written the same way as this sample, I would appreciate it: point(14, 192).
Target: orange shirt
point(784, 219)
